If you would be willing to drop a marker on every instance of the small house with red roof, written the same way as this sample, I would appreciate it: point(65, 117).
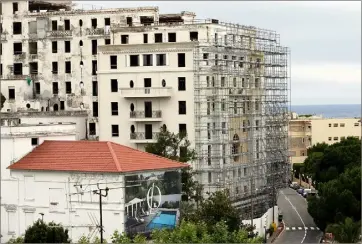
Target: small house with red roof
point(60, 181)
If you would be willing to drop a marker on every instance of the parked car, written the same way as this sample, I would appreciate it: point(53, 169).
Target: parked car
point(306, 192)
point(300, 190)
point(295, 185)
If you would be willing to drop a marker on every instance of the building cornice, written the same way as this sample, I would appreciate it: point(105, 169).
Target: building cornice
point(148, 48)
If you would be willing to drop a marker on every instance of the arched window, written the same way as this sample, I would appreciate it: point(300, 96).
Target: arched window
point(235, 147)
point(55, 107)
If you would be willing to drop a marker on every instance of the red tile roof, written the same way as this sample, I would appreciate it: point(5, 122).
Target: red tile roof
point(92, 156)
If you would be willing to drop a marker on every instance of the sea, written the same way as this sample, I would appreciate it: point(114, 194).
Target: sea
point(330, 111)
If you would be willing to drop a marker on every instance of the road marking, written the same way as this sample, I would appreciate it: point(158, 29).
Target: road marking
point(306, 228)
point(293, 228)
point(300, 228)
point(305, 231)
point(312, 228)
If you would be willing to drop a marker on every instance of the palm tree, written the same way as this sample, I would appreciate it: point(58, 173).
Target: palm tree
point(345, 232)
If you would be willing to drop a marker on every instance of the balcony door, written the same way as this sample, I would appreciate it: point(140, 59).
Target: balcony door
point(148, 109)
point(148, 131)
point(147, 85)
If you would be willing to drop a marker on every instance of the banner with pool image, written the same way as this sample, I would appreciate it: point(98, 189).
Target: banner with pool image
point(152, 201)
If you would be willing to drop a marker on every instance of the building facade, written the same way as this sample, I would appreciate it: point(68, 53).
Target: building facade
point(60, 185)
point(225, 85)
point(305, 132)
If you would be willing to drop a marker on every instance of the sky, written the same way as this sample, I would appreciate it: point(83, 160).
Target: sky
point(324, 39)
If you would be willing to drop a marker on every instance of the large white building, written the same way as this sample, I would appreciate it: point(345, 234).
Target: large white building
point(135, 70)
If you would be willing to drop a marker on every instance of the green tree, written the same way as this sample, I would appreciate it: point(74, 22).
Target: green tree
point(347, 231)
point(40, 232)
point(118, 237)
point(84, 240)
point(19, 239)
point(177, 147)
point(2, 100)
point(218, 207)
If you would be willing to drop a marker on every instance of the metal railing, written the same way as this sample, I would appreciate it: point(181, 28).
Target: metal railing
point(143, 114)
point(33, 56)
point(59, 33)
point(144, 136)
point(98, 32)
point(149, 91)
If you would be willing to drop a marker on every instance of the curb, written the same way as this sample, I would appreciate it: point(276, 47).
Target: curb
point(277, 233)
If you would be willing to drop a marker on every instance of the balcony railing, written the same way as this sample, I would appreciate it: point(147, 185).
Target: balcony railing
point(146, 92)
point(143, 115)
point(143, 136)
point(98, 32)
point(16, 77)
point(59, 33)
point(19, 56)
point(33, 56)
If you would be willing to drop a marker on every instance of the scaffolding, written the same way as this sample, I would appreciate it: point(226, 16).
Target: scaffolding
point(241, 81)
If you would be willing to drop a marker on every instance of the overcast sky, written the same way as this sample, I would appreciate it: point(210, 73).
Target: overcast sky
point(324, 38)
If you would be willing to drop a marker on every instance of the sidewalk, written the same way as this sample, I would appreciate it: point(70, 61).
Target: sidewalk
point(275, 235)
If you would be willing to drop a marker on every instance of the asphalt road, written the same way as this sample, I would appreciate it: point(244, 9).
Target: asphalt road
point(299, 225)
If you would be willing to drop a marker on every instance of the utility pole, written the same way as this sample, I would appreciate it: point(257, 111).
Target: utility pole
point(99, 192)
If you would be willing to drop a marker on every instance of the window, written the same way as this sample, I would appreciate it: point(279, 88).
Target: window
point(343, 138)
point(95, 109)
point(356, 124)
point(145, 38)
point(209, 154)
point(54, 25)
point(115, 131)
point(95, 88)
point(113, 60)
point(55, 67)
point(33, 68)
point(335, 125)
point(107, 21)
point(17, 28)
point(329, 138)
point(335, 138)
point(94, 67)
point(18, 69)
point(183, 151)
point(158, 37)
point(181, 60)
point(341, 124)
point(181, 107)
point(34, 141)
point(15, 8)
point(172, 37)
point(147, 60)
point(160, 59)
point(134, 60)
point(181, 83)
point(182, 128)
point(18, 48)
point(68, 67)
point(66, 24)
point(92, 129)
point(67, 46)
point(94, 47)
point(94, 23)
point(55, 47)
point(194, 36)
point(223, 127)
point(114, 85)
point(107, 41)
point(55, 88)
point(114, 108)
point(209, 178)
point(330, 125)
point(37, 88)
point(68, 87)
point(129, 21)
point(124, 39)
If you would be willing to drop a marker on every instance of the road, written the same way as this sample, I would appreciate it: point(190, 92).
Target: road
point(299, 225)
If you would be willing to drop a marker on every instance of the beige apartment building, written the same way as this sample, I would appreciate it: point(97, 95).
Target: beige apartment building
point(307, 131)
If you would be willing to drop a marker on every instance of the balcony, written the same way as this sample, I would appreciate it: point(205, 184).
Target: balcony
point(146, 92)
point(143, 137)
point(146, 116)
point(59, 34)
point(98, 32)
point(33, 56)
point(20, 56)
point(16, 77)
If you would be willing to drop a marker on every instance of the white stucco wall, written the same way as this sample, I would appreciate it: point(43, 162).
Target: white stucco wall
point(30, 193)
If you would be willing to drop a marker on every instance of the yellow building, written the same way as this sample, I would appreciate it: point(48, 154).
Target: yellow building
point(308, 131)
